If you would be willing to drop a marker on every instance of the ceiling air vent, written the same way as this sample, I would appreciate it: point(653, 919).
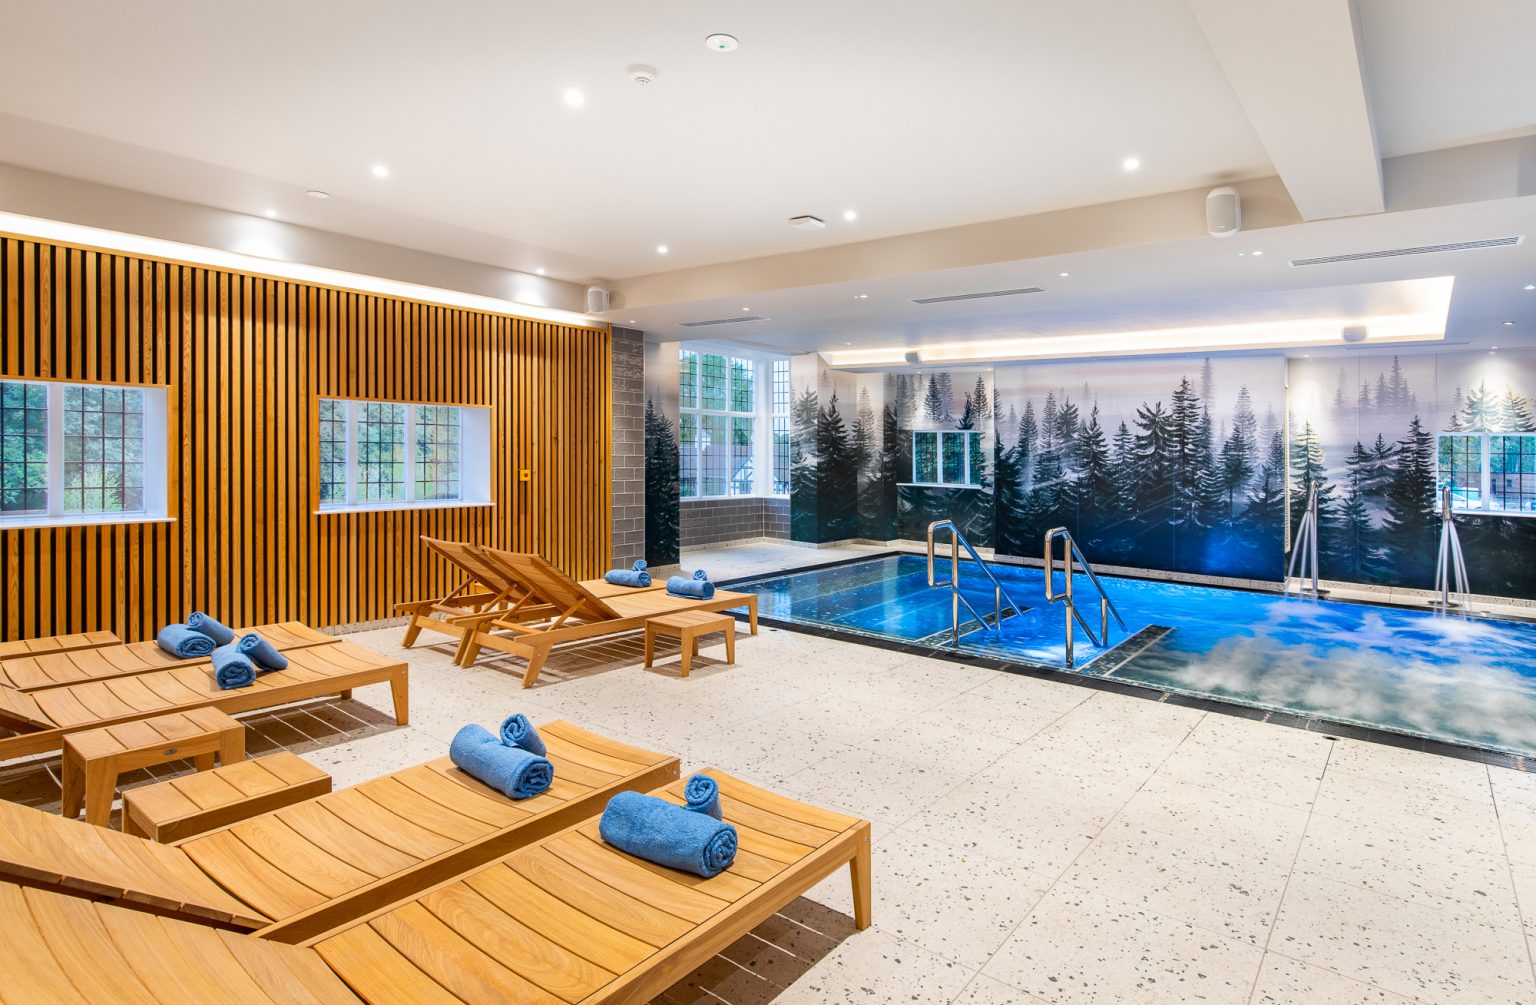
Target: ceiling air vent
point(978, 296)
point(1428, 249)
point(723, 321)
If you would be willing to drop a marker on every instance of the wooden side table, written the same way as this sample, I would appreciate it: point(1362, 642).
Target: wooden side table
point(94, 758)
point(179, 808)
point(688, 627)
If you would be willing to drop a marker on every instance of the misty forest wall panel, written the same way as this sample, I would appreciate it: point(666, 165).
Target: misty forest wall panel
point(662, 491)
point(245, 358)
point(1364, 432)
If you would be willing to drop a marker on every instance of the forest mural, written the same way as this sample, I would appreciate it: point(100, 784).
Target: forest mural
point(1174, 465)
point(661, 466)
point(1364, 433)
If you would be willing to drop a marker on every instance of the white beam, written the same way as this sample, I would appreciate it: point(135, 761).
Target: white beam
point(1296, 67)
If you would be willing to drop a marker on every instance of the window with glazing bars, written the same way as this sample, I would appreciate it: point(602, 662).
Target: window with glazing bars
point(717, 442)
point(23, 448)
point(780, 418)
point(384, 452)
point(1488, 472)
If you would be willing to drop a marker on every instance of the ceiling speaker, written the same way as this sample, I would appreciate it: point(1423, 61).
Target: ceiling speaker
point(1223, 212)
point(1353, 333)
point(597, 300)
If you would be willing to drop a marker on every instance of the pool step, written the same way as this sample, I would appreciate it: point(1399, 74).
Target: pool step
point(1118, 656)
point(968, 627)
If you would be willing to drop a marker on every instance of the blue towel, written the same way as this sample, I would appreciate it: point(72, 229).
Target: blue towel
point(517, 731)
point(200, 622)
point(231, 669)
point(512, 771)
point(668, 834)
point(694, 589)
point(700, 574)
point(181, 641)
point(261, 652)
point(703, 795)
point(628, 577)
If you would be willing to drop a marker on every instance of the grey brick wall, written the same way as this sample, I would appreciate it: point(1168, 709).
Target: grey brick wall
point(628, 446)
point(717, 521)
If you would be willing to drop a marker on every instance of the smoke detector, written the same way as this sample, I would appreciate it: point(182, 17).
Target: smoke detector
point(640, 73)
point(807, 223)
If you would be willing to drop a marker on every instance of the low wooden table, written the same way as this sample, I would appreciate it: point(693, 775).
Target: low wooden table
point(94, 758)
point(180, 808)
point(687, 627)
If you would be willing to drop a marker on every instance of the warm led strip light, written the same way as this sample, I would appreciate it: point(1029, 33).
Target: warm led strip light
point(1304, 333)
point(193, 254)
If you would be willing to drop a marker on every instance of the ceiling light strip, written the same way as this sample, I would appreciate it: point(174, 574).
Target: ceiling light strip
point(95, 238)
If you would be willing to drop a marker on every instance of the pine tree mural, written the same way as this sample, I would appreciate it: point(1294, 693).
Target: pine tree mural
point(895, 467)
point(1009, 501)
point(1029, 430)
point(1481, 411)
point(867, 469)
point(661, 501)
point(836, 475)
point(1096, 479)
point(933, 402)
point(1357, 533)
point(1266, 502)
point(804, 516)
point(946, 396)
point(1411, 523)
point(1515, 413)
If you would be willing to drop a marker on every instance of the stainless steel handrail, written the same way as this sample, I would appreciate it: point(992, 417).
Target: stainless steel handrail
point(1451, 567)
point(1067, 597)
point(956, 598)
point(1305, 545)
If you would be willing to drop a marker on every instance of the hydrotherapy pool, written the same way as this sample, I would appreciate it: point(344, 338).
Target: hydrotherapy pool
point(1468, 681)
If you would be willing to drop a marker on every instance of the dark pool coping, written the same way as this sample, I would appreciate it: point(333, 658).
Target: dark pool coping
point(1331, 728)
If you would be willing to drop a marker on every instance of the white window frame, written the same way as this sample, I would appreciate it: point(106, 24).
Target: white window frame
point(474, 459)
point(157, 454)
point(967, 435)
point(762, 415)
point(1485, 486)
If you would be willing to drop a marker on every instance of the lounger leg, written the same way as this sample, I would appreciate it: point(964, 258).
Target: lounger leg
point(400, 691)
point(535, 664)
point(650, 645)
point(72, 786)
point(100, 787)
point(752, 613)
point(345, 695)
point(689, 646)
point(469, 649)
point(860, 869)
point(730, 642)
point(411, 631)
point(232, 747)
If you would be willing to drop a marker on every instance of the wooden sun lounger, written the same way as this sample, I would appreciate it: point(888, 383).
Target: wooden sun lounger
point(305, 869)
point(56, 644)
point(36, 673)
point(486, 590)
point(566, 920)
point(41, 719)
point(579, 614)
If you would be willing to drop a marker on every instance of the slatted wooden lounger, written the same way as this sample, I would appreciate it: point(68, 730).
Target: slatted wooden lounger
point(41, 719)
point(486, 589)
point(36, 673)
point(581, 615)
point(567, 920)
point(305, 869)
point(56, 644)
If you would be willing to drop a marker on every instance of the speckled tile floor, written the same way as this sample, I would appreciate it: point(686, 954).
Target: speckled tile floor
point(1038, 841)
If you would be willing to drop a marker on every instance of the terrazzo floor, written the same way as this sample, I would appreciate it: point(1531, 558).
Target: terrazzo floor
point(1035, 841)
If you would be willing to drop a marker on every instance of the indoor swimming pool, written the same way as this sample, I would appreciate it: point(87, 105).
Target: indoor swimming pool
point(1462, 680)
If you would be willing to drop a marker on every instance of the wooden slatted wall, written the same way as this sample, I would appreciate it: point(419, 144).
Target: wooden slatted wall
point(245, 357)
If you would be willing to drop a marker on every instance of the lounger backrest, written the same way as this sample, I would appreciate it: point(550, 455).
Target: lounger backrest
point(469, 559)
point(553, 586)
point(65, 949)
point(46, 850)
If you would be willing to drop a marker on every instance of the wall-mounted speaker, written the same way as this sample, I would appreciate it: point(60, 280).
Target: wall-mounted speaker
point(1354, 333)
point(1223, 212)
point(597, 300)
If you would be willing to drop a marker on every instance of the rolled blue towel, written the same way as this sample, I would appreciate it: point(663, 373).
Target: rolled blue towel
point(703, 795)
point(231, 668)
point(261, 652)
point(694, 589)
point(209, 626)
point(628, 577)
point(183, 642)
point(517, 731)
point(700, 574)
point(668, 834)
point(512, 771)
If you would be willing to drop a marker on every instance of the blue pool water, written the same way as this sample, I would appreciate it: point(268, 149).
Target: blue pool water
point(1463, 680)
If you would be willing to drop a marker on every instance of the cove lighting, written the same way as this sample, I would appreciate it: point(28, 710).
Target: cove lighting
point(216, 258)
point(1425, 324)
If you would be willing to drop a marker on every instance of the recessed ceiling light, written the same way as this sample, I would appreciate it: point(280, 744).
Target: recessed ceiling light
point(1242, 254)
point(861, 296)
point(746, 310)
point(1257, 253)
point(270, 214)
point(1495, 347)
point(1530, 286)
point(1063, 274)
point(380, 170)
point(661, 249)
point(849, 214)
point(721, 43)
point(847, 343)
point(575, 98)
point(1508, 323)
point(315, 193)
point(539, 272)
point(1306, 355)
point(1131, 164)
